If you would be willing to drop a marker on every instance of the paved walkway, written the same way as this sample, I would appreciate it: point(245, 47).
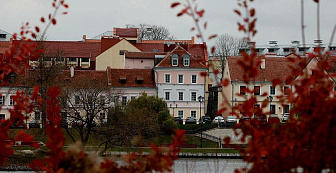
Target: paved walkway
point(222, 133)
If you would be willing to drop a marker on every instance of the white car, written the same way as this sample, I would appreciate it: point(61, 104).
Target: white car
point(285, 117)
point(231, 119)
point(218, 119)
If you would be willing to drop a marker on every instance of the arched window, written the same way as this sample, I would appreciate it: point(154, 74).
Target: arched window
point(186, 60)
point(174, 60)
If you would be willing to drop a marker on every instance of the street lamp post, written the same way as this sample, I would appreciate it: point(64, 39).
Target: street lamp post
point(270, 98)
point(201, 99)
point(173, 108)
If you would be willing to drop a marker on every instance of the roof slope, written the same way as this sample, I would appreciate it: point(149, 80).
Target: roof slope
point(131, 78)
point(149, 55)
point(275, 68)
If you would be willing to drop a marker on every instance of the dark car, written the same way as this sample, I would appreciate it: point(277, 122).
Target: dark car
point(204, 119)
point(273, 119)
point(34, 124)
point(190, 120)
point(259, 119)
point(244, 119)
point(178, 120)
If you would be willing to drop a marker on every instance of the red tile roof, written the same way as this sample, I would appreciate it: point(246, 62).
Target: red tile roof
point(195, 61)
point(75, 49)
point(106, 43)
point(131, 75)
point(126, 32)
point(275, 68)
point(150, 55)
point(4, 45)
point(149, 47)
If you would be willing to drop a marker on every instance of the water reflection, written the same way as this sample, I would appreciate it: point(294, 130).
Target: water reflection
point(208, 165)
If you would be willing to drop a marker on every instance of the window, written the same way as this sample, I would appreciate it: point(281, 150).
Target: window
point(37, 115)
point(72, 59)
point(2, 116)
point(11, 100)
point(2, 100)
point(167, 95)
point(271, 50)
point(76, 100)
point(272, 109)
point(193, 79)
point(286, 90)
point(122, 52)
point(257, 90)
point(85, 59)
point(242, 90)
point(174, 60)
point(286, 109)
point(272, 90)
point(116, 99)
point(133, 97)
point(332, 48)
point(193, 114)
point(180, 96)
point(286, 49)
point(124, 100)
point(167, 78)
point(180, 78)
point(102, 100)
point(180, 113)
point(193, 96)
point(186, 60)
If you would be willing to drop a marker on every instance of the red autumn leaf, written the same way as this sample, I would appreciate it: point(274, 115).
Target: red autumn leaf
point(65, 13)
point(37, 29)
point(175, 4)
point(205, 25)
point(66, 6)
point(220, 112)
point(200, 13)
point(42, 19)
point(53, 21)
point(317, 1)
point(213, 48)
point(193, 28)
point(225, 82)
point(252, 12)
point(203, 73)
point(276, 82)
point(216, 71)
point(212, 36)
point(227, 140)
point(237, 12)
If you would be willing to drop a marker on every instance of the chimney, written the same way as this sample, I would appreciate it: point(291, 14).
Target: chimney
point(263, 63)
point(84, 37)
point(72, 71)
point(272, 42)
point(192, 40)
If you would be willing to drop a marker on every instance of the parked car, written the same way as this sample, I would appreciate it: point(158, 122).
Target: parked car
point(244, 118)
point(259, 119)
point(273, 119)
point(204, 119)
point(218, 119)
point(34, 124)
point(285, 117)
point(190, 120)
point(178, 120)
point(231, 120)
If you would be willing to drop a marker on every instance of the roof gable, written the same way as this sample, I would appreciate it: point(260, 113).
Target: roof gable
point(195, 62)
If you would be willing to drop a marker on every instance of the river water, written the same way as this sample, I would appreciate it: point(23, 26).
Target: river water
point(198, 165)
point(207, 165)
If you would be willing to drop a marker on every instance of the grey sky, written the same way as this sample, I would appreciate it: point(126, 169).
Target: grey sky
point(277, 19)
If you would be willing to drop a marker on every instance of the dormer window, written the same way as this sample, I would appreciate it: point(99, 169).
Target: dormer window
point(186, 60)
point(174, 60)
point(122, 79)
point(139, 79)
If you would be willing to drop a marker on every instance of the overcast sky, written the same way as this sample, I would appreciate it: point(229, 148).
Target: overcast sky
point(277, 19)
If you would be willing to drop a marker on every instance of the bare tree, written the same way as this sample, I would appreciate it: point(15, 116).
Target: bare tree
point(85, 102)
point(44, 71)
point(153, 32)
